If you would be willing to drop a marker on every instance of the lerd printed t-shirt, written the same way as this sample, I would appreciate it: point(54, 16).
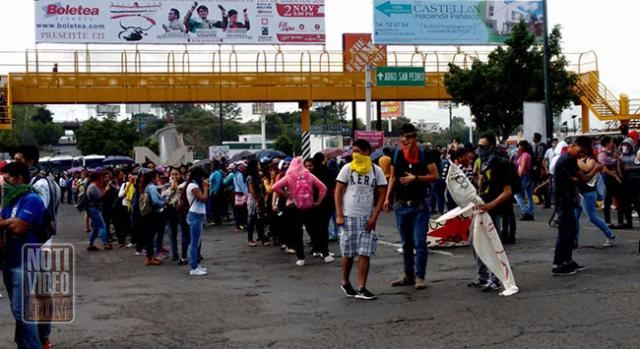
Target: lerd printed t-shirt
point(358, 197)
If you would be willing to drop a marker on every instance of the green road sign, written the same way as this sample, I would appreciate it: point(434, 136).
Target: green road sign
point(400, 76)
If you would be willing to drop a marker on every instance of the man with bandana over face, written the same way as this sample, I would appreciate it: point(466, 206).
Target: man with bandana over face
point(494, 187)
point(356, 185)
point(412, 172)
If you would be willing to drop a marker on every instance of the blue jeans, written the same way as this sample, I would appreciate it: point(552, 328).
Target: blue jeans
point(588, 204)
point(97, 226)
point(26, 335)
point(527, 189)
point(195, 221)
point(334, 229)
point(412, 224)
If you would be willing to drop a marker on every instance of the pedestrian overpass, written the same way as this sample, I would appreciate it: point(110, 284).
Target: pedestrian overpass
point(199, 76)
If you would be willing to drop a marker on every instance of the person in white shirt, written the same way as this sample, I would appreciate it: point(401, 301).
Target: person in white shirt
point(357, 184)
point(197, 195)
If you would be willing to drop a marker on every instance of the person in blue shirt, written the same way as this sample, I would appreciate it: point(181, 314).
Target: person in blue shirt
point(21, 217)
point(216, 193)
point(241, 191)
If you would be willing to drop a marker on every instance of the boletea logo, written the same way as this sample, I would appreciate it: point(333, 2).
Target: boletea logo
point(48, 283)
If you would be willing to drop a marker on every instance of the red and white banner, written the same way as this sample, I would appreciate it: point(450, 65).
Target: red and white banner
point(359, 51)
point(180, 22)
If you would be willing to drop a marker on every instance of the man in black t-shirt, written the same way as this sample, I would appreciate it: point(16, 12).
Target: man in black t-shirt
point(494, 187)
point(412, 171)
point(567, 177)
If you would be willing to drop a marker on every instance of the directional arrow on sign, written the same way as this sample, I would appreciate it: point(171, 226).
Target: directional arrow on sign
point(388, 9)
point(380, 76)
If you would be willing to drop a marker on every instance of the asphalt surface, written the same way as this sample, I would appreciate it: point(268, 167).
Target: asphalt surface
point(258, 298)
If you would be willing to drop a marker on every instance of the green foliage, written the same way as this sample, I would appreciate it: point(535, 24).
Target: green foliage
point(284, 144)
point(33, 125)
point(458, 129)
point(496, 90)
point(107, 137)
point(46, 133)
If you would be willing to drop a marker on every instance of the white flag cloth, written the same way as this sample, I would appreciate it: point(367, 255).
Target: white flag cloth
point(485, 239)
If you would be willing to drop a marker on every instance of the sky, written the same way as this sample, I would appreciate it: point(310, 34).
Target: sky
point(604, 27)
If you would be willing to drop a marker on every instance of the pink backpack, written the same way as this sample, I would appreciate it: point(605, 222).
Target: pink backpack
point(303, 192)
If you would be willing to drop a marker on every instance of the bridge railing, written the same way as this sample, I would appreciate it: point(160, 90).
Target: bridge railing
point(239, 61)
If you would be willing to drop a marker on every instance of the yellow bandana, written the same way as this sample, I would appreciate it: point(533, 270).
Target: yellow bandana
point(361, 164)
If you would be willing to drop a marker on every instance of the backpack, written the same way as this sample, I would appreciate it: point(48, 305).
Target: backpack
point(303, 192)
point(49, 228)
point(144, 204)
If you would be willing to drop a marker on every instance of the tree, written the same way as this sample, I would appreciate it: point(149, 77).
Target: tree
point(107, 137)
point(42, 115)
point(230, 111)
point(496, 90)
point(284, 144)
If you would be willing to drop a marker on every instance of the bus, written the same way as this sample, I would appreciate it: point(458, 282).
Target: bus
point(45, 163)
point(61, 163)
point(92, 161)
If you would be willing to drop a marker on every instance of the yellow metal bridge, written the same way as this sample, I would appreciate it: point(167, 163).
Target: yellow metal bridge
point(103, 76)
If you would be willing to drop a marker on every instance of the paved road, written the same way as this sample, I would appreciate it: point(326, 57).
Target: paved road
point(258, 298)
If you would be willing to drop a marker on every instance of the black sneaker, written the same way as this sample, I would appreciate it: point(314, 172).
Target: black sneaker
point(491, 287)
point(527, 218)
point(363, 293)
point(564, 270)
point(577, 266)
point(92, 248)
point(348, 290)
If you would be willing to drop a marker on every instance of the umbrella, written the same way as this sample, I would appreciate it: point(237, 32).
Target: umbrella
point(74, 170)
point(118, 160)
point(332, 152)
point(347, 153)
point(270, 154)
point(202, 162)
point(240, 155)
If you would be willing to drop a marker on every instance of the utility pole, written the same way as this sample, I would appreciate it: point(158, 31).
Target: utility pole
point(368, 86)
point(547, 75)
point(221, 127)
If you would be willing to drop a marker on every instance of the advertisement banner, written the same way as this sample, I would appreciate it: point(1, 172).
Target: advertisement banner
point(358, 51)
point(392, 110)
point(375, 138)
point(461, 22)
point(180, 22)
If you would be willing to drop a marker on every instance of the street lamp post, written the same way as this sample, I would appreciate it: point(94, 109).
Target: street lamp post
point(547, 77)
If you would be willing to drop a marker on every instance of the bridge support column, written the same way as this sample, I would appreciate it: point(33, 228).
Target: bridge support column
point(585, 119)
point(305, 124)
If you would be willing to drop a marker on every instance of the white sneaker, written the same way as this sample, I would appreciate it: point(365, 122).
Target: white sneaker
point(130, 245)
point(197, 272)
point(300, 262)
point(608, 243)
point(290, 251)
point(202, 268)
point(329, 259)
point(509, 291)
point(317, 254)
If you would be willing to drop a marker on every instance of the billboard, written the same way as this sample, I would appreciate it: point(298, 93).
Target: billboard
point(180, 22)
point(358, 51)
point(460, 22)
point(392, 110)
point(375, 138)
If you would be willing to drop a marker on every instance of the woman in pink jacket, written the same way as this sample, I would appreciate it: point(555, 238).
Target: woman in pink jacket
point(299, 184)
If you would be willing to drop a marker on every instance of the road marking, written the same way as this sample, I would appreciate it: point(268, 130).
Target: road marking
point(397, 246)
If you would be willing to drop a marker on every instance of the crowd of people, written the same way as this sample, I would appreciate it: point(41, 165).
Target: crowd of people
point(276, 200)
